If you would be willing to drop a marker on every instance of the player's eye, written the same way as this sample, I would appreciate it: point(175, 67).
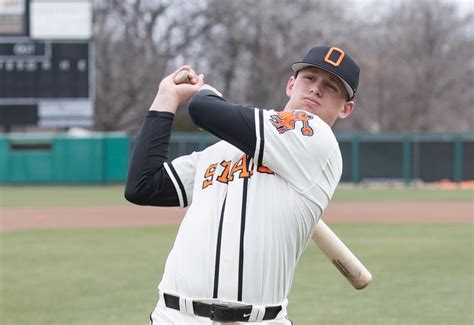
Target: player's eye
point(331, 86)
point(309, 77)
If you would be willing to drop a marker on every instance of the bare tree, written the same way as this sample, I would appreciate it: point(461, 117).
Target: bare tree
point(417, 69)
point(416, 57)
point(135, 44)
point(254, 43)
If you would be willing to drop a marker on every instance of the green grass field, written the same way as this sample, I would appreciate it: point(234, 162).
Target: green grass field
point(46, 196)
point(423, 274)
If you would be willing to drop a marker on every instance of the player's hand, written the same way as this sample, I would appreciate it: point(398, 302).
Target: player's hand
point(209, 87)
point(170, 95)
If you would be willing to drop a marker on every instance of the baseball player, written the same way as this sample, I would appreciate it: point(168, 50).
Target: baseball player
point(253, 198)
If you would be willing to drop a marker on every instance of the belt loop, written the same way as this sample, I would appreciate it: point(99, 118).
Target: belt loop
point(189, 306)
point(182, 305)
point(257, 313)
point(186, 305)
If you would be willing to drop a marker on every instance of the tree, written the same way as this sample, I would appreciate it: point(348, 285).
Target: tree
point(416, 57)
point(417, 69)
point(136, 43)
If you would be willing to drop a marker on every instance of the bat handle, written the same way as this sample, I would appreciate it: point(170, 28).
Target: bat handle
point(181, 77)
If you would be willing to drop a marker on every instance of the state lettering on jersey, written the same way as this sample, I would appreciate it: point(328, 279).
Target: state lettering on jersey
point(209, 175)
point(286, 121)
point(229, 170)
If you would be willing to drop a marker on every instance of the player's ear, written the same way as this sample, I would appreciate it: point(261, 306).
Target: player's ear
point(289, 86)
point(347, 109)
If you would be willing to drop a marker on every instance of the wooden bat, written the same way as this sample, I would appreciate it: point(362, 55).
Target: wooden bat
point(342, 258)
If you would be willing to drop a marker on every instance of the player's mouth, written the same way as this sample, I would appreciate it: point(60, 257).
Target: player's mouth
point(311, 101)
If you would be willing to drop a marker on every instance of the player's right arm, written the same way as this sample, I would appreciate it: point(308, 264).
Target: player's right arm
point(151, 180)
point(148, 183)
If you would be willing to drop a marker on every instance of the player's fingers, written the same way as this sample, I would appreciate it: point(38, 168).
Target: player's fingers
point(194, 81)
point(185, 90)
point(193, 77)
point(186, 75)
point(180, 75)
point(199, 81)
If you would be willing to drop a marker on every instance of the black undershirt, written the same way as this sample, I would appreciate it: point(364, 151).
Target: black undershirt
point(229, 122)
point(148, 183)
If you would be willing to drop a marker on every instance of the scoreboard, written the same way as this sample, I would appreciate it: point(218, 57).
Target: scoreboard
point(46, 64)
point(43, 69)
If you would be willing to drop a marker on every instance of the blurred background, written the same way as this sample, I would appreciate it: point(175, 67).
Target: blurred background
point(81, 68)
point(76, 80)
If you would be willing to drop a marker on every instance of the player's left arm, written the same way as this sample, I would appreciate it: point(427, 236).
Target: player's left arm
point(305, 155)
point(230, 122)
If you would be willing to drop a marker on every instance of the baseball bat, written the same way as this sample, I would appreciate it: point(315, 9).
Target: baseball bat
point(342, 258)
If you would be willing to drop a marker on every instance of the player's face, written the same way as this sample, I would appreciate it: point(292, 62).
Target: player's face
point(320, 93)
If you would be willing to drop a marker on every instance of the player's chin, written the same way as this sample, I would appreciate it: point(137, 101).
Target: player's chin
point(309, 105)
point(310, 109)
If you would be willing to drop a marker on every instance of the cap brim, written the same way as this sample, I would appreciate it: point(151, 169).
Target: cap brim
point(302, 65)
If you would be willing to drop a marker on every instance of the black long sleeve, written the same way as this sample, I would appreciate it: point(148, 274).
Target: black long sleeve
point(148, 182)
point(230, 122)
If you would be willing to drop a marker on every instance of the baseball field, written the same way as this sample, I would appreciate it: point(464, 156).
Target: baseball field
point(82, 255)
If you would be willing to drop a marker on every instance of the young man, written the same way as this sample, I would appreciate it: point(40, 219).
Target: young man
point(253, 199)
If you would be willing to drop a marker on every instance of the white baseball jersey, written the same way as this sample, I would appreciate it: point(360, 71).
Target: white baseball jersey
point(249, 219)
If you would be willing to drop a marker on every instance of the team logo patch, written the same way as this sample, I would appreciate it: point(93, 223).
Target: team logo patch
point(285, 121)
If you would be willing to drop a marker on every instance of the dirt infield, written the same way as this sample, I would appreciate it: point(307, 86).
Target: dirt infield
point(136, 216)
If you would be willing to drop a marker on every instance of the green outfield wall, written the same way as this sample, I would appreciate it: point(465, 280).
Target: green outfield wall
point(53, 159)
point(103, 159)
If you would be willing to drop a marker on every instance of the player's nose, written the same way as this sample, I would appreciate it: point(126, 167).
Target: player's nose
point(315, 89)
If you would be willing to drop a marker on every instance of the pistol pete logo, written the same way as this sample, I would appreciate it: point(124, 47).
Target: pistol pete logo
point(285, 121)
